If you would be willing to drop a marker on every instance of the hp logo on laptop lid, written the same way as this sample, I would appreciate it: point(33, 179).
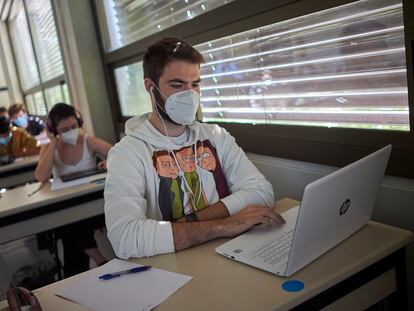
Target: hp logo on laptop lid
point(344, 207)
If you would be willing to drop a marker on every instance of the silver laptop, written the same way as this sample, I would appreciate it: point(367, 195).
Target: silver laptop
point(332, 208)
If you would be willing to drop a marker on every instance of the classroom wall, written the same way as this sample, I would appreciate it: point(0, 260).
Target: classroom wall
point(395, 205)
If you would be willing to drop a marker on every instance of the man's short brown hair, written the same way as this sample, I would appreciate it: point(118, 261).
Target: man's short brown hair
point(163, 52)
point(15, 109)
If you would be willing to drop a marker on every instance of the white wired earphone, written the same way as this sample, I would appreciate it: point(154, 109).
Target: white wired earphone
point(180, 171)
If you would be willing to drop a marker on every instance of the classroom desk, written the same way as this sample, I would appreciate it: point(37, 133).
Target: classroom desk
point(363, 269)
point(18, 172)
point(22, 215)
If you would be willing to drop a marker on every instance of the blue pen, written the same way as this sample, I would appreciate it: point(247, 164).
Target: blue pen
point(112, 275)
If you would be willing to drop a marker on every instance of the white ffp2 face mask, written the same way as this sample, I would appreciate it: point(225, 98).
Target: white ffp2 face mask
point(182, 106)
point(70, 137)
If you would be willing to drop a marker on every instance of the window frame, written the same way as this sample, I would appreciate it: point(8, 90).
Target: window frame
point(43, 85)
point(329, 146)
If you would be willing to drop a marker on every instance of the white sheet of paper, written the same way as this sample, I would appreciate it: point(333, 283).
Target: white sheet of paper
point(58, 184)
point(140, 291)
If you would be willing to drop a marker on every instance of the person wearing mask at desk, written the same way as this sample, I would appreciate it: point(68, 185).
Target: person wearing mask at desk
point(160, 196)
point(71, 150)
point(33, 125)
point(15, 142)
point(3, 112)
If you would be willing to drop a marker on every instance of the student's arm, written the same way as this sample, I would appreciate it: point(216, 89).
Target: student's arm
point(215, 211)
point(190, 234)
point(45, 165)
point(101, 147)
point(246, 184)
point(133, 234)
point(98, 146)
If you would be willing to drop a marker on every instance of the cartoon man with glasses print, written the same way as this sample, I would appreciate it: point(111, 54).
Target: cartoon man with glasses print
point(192, 185)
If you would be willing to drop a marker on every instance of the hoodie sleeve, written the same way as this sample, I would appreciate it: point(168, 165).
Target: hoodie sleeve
point(131, 233)
point(247, 185)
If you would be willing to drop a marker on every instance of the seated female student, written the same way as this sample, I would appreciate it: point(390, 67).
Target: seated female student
point(71, 150)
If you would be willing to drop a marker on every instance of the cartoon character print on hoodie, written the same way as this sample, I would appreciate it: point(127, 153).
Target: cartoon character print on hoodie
point(169, 194)
point(136, 218)
point(174, 198)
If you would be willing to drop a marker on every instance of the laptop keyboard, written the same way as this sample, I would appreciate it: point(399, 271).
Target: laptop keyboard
point(274, 251)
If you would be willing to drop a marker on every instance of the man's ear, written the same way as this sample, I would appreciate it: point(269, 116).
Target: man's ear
point(149, 86)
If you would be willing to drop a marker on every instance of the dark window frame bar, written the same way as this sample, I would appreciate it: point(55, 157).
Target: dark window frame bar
point(45, 85)
point(329, 146)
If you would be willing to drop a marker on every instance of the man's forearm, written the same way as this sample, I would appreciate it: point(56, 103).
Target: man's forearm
point(216, 211)
point(186, 235)
point(190, 234)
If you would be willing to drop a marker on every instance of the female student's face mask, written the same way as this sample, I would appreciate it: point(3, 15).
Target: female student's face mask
point(5, 140)
point(182, 106)
point(70, 137)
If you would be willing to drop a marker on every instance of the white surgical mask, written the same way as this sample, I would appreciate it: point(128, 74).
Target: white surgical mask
point(70, 137)
point(182, 106)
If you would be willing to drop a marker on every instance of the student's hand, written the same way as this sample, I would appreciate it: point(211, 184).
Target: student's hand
point(102, 165)
point(53, 138)
point(248, 217)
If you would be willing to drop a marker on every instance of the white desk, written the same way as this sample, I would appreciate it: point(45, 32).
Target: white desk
point(360, 271)
point(21, 215)
point(18, 172)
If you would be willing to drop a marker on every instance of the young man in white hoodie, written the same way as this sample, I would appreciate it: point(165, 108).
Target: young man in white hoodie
point(172, 182)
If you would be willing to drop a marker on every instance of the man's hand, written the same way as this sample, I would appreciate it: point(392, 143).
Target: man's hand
point(248, 217)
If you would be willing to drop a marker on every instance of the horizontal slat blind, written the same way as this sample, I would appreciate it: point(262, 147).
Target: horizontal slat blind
point(131, 20)
point(22, 47)
point(45, 39)
point(342, 67)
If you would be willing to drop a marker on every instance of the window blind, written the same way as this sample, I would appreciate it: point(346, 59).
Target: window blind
point(130, 20)
point(22, 47)
point(45, 39)
point(56, 95)
point(342, 67)
point(39, 104)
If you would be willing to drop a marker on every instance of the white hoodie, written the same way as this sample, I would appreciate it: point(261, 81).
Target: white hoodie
point(133, 217)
